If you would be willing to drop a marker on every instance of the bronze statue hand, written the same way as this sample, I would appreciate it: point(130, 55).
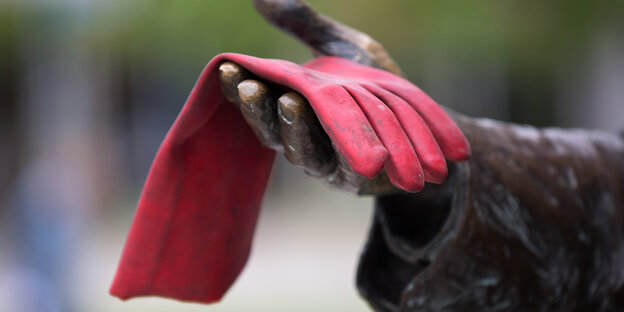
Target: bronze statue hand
point(289, 124)
point(286, 123)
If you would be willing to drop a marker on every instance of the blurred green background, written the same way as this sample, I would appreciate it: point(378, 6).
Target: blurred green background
point(89, 88)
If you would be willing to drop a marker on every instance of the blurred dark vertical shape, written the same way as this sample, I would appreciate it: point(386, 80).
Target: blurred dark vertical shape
point(65, 135)
point(153, 104)
point(9, 134)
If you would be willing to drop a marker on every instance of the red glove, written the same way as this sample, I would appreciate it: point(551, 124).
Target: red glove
point(194, 224)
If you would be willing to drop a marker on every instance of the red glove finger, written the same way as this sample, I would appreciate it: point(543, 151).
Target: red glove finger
point(349, 129)
point(402, 165)
point(429, 153)
point(450, 139)
point(448, 136)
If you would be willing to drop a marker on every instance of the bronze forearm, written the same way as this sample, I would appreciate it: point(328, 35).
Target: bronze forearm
point(533, 222)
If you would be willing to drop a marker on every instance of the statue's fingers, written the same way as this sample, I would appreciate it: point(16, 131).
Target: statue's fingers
point(230, 75)
point(305, 143)
point(257, 106)
point(345, 179)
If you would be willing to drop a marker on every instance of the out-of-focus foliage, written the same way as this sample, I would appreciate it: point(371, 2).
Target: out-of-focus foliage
point(530, 34)
point(530, 39)
point(7, 29)
point(187, 34)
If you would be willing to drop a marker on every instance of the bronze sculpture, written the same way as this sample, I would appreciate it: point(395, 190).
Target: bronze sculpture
point(534, 221)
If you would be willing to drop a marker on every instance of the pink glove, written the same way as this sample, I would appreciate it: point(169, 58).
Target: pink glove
point(194, 224)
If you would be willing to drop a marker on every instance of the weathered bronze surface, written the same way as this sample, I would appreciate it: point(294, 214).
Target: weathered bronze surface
point(305, 143)
point(323, 35)
point(534, 221)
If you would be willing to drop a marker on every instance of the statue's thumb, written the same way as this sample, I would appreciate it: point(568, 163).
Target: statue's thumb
point(323, 35)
